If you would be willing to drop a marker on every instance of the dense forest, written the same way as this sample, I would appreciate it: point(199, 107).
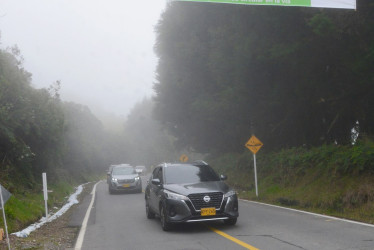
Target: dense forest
point(147, 143)
point(292, 76)
point(300, 79)
point(39, 133)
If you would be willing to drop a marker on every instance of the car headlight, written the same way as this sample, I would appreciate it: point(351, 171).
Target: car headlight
point(137, 178)
point(114, 179)
point(230, 193)
point(174, 196)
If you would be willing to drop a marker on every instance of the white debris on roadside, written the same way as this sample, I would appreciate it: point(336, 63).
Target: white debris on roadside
point(71, 201)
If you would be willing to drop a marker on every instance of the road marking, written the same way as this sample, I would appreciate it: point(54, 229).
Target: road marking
point(82, 232)
point(229, 237)
point(310, 213)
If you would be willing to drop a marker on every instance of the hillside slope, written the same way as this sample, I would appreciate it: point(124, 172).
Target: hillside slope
point(331, 179)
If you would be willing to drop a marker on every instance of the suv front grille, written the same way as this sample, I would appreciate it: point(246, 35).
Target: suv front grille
point(126, 181)
point(198, 200)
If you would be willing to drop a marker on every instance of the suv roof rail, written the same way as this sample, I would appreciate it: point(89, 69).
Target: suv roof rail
point(200, 162)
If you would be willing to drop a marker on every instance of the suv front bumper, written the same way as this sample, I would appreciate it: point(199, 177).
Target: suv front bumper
point(123, 187)
point(183, 211)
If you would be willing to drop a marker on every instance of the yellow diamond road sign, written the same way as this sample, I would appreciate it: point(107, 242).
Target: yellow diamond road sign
point(183, 158)
point(254, 144)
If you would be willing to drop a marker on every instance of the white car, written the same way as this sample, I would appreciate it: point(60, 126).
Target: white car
point(140, 170)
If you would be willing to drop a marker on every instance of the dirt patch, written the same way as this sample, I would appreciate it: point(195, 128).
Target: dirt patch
point(55, 235)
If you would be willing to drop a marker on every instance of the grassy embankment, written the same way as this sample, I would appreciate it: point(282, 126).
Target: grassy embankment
point(26, 205)
point(332, 179)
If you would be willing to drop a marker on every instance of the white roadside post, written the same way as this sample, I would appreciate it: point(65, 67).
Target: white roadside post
point(5, 223)
point(45, 191)
point(254, 144)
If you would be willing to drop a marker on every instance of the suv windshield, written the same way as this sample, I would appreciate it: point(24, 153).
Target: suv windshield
point(180, 174)
point(123, 171)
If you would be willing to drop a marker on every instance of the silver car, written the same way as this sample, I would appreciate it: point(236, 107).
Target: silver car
point(124, 178)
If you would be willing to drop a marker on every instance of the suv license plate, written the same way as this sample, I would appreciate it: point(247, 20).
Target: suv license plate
point(208, 211)
point(126, 185)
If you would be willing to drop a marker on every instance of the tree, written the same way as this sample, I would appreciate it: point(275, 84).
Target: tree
point(297, 76)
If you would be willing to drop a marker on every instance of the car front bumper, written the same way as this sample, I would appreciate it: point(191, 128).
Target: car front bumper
point(127, 186)
point(183, 211)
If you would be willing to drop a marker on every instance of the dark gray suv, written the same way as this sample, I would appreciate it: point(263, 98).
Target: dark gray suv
point(189, 192)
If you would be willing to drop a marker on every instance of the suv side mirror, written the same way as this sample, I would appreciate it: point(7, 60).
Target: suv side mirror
point(223, 177)
point(156, 182)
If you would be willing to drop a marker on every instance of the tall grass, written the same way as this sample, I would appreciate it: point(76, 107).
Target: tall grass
point(27, 206)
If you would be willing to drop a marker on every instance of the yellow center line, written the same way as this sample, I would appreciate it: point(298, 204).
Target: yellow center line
point(229, 237)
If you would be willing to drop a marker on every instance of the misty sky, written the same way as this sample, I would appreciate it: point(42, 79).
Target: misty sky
point(101, 51)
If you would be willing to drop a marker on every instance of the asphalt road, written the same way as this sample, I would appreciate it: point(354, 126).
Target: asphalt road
point(119, 222)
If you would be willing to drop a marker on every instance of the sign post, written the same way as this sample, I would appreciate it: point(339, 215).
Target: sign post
point(3, 200)
point(254, 144)
point(45, 191)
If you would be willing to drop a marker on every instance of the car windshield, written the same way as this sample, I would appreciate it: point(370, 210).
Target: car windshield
point(123, 171)
point(180, 174)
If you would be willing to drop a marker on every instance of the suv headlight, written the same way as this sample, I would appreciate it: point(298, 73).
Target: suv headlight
point(230, 193)
point(174, 196)
point(137, 178)
point(114, 179)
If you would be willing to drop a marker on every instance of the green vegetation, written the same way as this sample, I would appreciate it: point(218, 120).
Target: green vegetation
point(331, 179)
point(41, 133)
point(145, 141)
point(23, 209)
point(301, 79)
point(26, 206)
point(292, 76)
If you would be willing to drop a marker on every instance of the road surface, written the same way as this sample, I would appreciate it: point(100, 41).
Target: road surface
point(119, 222)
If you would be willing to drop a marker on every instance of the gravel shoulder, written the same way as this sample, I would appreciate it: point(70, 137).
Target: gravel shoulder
point(55, 235)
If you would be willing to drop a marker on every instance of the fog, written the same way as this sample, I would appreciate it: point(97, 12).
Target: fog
point(101, 51)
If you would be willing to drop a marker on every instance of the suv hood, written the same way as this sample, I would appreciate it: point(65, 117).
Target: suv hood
point(202, 187)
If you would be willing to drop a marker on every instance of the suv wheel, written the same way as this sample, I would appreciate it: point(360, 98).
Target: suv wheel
point(230, 222)
point(148, 211)
point(166, 226)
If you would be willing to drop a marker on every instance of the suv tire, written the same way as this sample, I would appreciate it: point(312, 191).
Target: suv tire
point(166, 226)
point(148, 211)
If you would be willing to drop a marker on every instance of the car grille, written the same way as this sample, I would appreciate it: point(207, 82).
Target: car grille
point(198, 200)
point(126, 181)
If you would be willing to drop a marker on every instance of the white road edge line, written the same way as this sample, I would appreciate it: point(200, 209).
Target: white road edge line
point(82, 231)
point(310, 213)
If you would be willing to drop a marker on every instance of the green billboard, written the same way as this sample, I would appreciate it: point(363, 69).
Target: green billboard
point(345, 4)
